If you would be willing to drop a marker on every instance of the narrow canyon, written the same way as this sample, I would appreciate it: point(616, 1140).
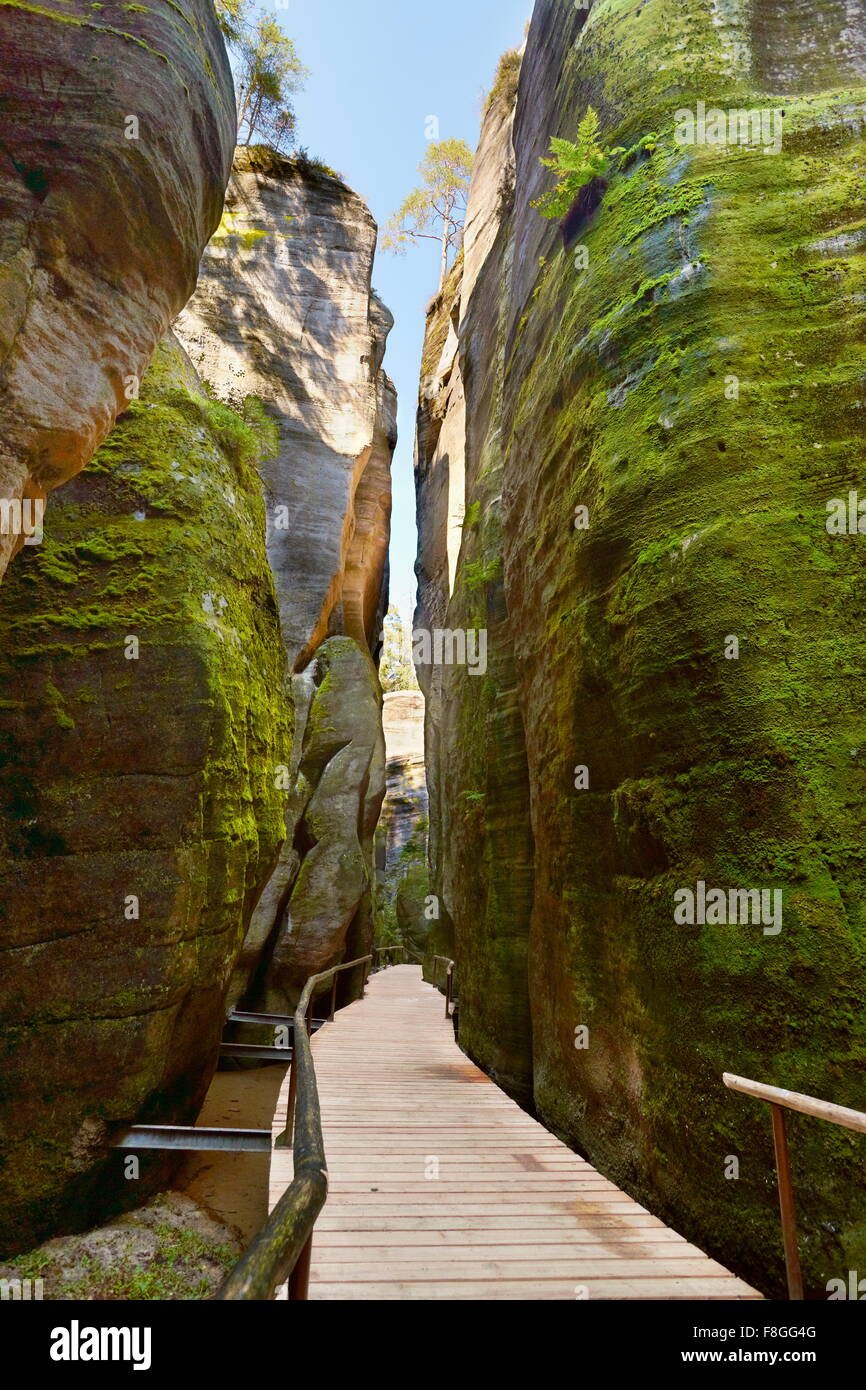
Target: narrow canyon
point(637, 641)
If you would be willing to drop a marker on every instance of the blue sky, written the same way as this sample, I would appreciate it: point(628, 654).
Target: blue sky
point(379, 68)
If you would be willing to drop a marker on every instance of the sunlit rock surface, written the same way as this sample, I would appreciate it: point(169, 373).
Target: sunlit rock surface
point(116, 132)
point(284, 309)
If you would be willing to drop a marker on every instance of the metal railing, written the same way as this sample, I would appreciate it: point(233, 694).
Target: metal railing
point(283, 1247)
point(779, 1101)
point(449, 982)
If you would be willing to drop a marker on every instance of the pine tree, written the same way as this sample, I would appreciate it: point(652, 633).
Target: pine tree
point(435, 210)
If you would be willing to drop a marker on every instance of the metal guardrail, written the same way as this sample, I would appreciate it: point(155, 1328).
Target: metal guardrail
point(190, 1138)
point(779, 1101)
point(283, 1247)
point(449, 983)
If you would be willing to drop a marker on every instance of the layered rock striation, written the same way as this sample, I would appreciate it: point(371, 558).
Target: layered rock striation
point(689, 372)
point(116, 132)
point(284, 308)
point(401, 838)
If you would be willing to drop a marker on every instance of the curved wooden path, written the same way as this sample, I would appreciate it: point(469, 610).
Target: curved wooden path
point(442, 1188)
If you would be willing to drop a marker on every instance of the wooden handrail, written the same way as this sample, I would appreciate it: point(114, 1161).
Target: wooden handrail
point(793, 1100)
point(282, 1248)
point(779, 1101)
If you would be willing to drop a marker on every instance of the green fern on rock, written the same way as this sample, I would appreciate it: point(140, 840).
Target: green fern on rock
point(576, 165)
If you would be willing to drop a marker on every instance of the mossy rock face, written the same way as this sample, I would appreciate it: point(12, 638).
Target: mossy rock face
point(480, 835)
point(342, 768)
point(169, 1249)
point(699, 389)
point(697, 386)
point(410, 904)
point(140, 815)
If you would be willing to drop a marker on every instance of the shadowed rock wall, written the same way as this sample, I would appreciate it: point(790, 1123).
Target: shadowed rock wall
point(696, 383)
point(142, 721)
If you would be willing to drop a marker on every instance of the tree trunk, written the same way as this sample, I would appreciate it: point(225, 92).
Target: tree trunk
point(253, 117)
point(244, 94)
point(446, 236)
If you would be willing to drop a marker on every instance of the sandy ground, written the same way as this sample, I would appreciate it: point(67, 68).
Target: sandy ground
point(234, 1186)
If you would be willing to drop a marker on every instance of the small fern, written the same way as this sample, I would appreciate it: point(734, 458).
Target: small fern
point(576, 165)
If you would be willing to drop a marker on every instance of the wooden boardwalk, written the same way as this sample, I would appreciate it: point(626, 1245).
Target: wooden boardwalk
point(442, 1188)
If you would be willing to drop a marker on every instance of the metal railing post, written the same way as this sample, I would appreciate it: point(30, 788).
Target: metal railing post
point(449, 981)
point(288, 1133)
point(299, 1279)
point(786, 1204)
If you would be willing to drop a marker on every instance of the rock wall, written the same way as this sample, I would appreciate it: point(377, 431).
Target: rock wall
point(116, 132)
point(406, 789)
point(142, 723)
point(401, 837)
point(694, 379)
point(284, 308)
point(480, 840)
point(190, 718)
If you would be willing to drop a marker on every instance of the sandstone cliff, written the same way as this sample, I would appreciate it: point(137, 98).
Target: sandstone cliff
point(284, 309)
point(190, 718)
point(401, 837)
point(116, 131)
point(480, 840)
point(697, 385)
point(142, 724)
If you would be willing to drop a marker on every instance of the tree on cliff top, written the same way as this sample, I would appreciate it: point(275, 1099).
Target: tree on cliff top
point(436, 210)
point(230, 15)
point(267, 72)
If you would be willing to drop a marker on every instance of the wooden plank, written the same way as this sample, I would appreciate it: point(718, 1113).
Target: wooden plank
point(395, 1241)
point(511, 1213)
point(535, 1290)
point(450, 1265)
point(385, 1256)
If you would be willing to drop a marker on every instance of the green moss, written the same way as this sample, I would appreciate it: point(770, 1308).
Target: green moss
point(162, 537)
point(506, 81)
point(55, 702)
point(175, 1271)
point(706, 265)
